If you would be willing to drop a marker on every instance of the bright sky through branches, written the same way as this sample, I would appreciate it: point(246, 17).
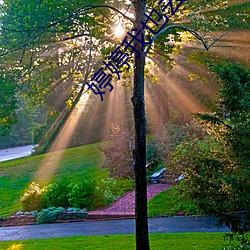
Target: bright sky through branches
point(119, 31)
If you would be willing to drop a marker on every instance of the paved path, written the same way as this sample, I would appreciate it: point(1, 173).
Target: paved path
point(125, 206)
point(14, 153)
point(156, 225)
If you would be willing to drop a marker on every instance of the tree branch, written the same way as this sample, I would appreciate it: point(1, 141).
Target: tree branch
point(87, 8)
point(76, 12)
point(193, 32)
point(218, 38)
point(72, 37)
point(42, 29)
point(113, 8)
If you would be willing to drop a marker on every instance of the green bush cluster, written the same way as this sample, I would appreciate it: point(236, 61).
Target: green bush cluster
point(238, 241)
point(48, 215)
point(57, 193)
point(81, 194)
point(87, 193)
point(61, 193)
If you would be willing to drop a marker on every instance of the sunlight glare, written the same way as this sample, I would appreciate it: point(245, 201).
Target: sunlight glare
point(119, 31)
point(51, 161)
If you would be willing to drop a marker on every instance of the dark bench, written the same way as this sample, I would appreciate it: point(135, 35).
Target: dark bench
point(155, 177)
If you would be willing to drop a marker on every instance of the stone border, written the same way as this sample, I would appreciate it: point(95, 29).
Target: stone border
point(30, 219)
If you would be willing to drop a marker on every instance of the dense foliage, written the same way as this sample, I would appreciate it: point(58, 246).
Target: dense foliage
point(53, 47)
point(51, 214)
point(162, 143)
point(61, 193)
point(81, 194)
point(56, 194)
point(8, 105)
point(217, 168)
point(90, 193)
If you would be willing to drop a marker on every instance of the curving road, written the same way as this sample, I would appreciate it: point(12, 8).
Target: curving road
point(156, 225)
point(17, 152)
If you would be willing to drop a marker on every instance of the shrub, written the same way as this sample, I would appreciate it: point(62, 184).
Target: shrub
point(243, 242)
point(57, 193)
point(118, 153)
point(152, 155)
point(48, 215)
point(33, 197)
point(73, 209)
point(81, 194)
point(103, 194)
point(123, 185)
point(209, 180)
point(109, 189)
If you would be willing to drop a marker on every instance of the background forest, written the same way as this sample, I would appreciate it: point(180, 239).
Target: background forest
point(196, 84)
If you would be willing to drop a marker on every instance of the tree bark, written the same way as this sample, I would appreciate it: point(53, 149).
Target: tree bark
point(139, 151)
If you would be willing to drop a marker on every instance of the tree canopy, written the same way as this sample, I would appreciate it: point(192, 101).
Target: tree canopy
point(56, 46)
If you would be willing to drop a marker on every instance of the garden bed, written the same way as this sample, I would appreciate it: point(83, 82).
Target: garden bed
point(30, 219)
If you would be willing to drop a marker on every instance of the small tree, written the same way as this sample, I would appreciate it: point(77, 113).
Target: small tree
point(118, 156)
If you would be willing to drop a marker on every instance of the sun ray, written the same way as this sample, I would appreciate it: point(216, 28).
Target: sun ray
point(89, 122)
point(51, 162)
point(115, 111)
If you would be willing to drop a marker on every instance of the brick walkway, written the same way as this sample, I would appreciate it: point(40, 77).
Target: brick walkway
point(124, 207)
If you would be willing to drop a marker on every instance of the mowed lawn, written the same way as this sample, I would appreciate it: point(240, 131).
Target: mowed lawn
point(170, 241)
point(16, 175)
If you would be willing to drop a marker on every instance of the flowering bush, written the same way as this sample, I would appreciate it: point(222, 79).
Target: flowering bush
point(33, 197)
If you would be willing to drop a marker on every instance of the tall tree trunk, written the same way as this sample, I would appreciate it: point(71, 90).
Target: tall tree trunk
point(139, 151)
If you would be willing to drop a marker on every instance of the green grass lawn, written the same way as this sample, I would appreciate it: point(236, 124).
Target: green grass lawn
point(169, 203)
point(16, 175)
point(171, 241)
